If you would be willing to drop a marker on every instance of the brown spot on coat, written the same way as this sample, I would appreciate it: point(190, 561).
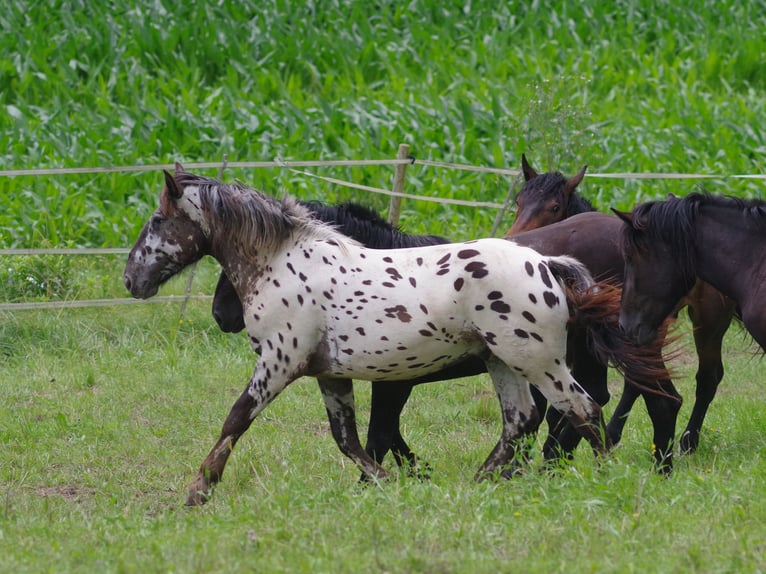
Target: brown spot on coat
point(477, 269)
point(398, 312)
point(551, 299)
point(500, 307)
point(467, 253)
point(544, 275)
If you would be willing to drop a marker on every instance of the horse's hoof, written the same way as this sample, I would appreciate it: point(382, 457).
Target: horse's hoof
point(688, 443)
point(664, 467)
point(512, 472)
point(377, 476)
point(199, 493)
point(420, 470)
point(614, 436)
point(197, 498)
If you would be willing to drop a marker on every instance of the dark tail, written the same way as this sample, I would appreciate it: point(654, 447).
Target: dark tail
point(595, 311)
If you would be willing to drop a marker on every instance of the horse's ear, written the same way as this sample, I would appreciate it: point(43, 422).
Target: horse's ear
point(626, 216)
point(571, 185)
point(180, 168)
point(170, 183)
point(527, 169)
point(672, 196)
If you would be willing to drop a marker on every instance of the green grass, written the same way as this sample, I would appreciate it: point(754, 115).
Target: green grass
point(633, 87)
point(107, 415)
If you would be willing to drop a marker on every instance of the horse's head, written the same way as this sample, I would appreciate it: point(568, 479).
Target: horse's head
point(543, 199)
point(227, 308)
point(174, 237)
point(654, 279)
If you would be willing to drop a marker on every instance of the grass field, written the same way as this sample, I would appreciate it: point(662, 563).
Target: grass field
point(105, 414)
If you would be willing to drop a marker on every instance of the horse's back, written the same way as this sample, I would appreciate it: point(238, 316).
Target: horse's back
point(593, 238)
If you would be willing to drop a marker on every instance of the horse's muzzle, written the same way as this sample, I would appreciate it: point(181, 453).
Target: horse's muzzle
point(640, 333)
point(139, 291)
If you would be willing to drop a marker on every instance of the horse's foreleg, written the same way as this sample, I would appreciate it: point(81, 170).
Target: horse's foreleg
point(211, 470)
point(338, 395)
point(663, 410)
point(384, 434)
point(388, 400)
point(258, 394)
point(711, 318)
point(520, 418)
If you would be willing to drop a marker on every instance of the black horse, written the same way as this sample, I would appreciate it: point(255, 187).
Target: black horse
point(388, 399)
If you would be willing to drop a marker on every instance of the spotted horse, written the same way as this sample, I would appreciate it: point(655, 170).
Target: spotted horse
point(317, 303)
point(594, 342)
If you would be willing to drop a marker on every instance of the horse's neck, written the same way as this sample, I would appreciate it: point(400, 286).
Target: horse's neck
point(243, 271)
point(727, 252)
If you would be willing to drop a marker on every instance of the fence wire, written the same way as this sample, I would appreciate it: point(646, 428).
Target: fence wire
point(294, 167)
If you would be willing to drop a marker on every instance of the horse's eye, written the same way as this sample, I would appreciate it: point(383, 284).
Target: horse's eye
point(555, 208)
point(157, 219)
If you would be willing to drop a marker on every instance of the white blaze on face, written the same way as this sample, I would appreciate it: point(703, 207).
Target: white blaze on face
point(154, 248)
point(191, 205)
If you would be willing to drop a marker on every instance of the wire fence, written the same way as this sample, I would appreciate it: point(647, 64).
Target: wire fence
point(298, 167)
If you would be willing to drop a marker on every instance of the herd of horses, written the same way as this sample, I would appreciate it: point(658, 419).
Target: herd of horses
point(337, 293)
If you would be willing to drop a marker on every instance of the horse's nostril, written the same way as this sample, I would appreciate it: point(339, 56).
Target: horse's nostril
point(217, 317)
point(127, 282)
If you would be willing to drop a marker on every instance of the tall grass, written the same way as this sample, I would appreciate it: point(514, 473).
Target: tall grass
point(634, 86)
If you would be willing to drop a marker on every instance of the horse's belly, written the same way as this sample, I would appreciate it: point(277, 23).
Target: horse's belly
point(401, 363)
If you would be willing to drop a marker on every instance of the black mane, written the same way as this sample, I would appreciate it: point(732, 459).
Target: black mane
point(672, 222)
point(367, 226)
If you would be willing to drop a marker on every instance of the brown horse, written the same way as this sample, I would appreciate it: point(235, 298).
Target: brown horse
point(550, 197)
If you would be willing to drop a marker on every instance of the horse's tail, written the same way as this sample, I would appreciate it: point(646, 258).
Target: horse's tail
point(595, 312)
point(570, 273)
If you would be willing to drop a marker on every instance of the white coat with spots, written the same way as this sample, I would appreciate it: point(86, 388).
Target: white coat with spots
point(317, 303)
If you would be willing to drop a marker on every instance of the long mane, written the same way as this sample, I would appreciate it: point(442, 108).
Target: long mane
point(243, 216)
point(672, 222)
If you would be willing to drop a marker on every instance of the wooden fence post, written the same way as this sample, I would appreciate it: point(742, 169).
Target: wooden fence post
point(395, 205)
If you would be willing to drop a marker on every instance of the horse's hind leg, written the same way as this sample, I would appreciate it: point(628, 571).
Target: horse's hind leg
point(563, 438)
point(620, 415)
point(711, 317)
point(338, 395)
point(520, 417)
point(567, 396)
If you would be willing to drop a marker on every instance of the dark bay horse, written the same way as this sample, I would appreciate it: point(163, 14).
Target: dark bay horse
point(550, 197)
point(317, 303)
point(589, 367)
point(669, 244)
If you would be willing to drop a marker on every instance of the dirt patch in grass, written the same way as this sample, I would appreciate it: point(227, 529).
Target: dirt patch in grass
point(66, 491)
